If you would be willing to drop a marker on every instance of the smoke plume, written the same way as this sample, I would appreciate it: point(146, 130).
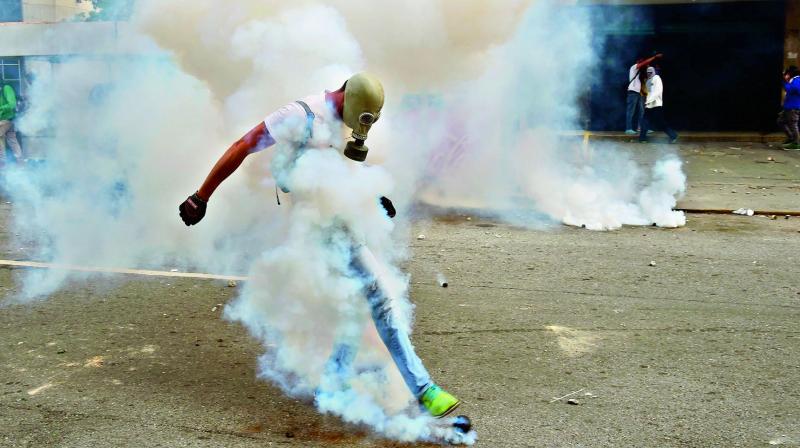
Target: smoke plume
point(479, 95)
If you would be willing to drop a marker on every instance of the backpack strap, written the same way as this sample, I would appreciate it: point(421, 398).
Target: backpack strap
point(309, 133)
point(309, 121)
point(638, 70)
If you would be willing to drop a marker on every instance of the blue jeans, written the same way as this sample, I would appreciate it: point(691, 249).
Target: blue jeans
point(397, 340)
point(635, 107)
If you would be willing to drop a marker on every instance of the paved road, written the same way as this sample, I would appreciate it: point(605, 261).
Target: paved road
point(742, 175)
point(701, 349)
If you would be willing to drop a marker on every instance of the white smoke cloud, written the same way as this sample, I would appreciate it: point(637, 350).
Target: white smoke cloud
point(658, 199)
point(478, 94)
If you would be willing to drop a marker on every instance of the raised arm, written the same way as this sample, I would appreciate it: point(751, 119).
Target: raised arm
point(647, 61)
point(193, 209)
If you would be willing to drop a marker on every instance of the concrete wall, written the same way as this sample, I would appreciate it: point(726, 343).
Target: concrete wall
point(53, 10)
point(69, 38)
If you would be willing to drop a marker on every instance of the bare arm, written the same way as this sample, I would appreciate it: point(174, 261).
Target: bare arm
point(257, 139)
point(193, 209)
point(647, 61)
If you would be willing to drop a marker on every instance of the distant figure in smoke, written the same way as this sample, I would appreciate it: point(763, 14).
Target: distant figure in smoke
point(790, 115)
point(636, 92)
point(357, 104)
point(653, 108)
point(8, 111)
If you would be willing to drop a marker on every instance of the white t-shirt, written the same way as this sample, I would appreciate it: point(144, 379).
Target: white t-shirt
point(288, 124)
point(287, 129)
point(655, 92)
point(634, 84)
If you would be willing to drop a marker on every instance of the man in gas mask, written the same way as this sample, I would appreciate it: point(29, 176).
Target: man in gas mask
point(304, 125)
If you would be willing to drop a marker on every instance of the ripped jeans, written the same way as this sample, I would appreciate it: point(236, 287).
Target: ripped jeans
point(9, 134)
point(397, 340)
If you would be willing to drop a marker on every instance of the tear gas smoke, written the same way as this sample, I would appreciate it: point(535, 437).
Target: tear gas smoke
point(476, 97)
point(441, 280)
point(497, 148)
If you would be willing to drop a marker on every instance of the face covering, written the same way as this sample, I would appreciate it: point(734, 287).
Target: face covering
point(363, 101)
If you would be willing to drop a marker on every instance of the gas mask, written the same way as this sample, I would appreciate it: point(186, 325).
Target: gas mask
point(363, 101)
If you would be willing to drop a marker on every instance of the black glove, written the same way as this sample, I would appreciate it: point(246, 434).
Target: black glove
point(387, 205)
point(192, 210)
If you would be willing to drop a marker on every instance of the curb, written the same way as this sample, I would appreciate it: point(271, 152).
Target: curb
point(685, 137)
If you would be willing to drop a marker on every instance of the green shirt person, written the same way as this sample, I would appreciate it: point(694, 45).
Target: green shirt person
point(8, 111)
point(8, 104)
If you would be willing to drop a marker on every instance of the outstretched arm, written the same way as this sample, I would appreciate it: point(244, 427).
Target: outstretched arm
point(257, 139)
point(193, 209)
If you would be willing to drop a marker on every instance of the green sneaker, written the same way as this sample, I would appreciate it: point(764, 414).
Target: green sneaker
point(438, 402)
point(793, 146)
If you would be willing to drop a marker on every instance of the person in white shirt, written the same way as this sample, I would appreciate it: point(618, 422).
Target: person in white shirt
point(635, 104)
point(653, 108)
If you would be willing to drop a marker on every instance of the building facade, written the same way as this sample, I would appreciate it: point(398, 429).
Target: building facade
point(42, 10)
point(38, 37)
point(721, 69)
point(53, 10)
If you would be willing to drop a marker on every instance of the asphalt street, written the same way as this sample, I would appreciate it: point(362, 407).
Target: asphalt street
point(684, 337)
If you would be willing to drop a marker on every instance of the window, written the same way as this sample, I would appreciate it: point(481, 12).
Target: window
point(11, 73)
point(10, 10)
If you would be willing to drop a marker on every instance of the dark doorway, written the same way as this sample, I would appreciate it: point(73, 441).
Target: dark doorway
point(721, 67)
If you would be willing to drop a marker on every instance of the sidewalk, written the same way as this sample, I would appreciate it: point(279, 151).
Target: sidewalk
point(753, 176)
point(722, 176)
point(684, 137)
